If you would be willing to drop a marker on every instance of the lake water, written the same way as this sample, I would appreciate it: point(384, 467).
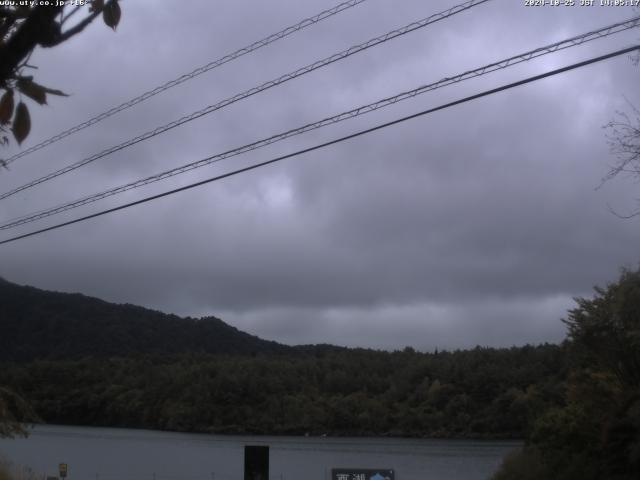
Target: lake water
point(121, 454)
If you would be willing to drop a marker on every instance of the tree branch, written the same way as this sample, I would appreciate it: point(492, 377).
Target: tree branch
point(77, 28)
point(70, 14)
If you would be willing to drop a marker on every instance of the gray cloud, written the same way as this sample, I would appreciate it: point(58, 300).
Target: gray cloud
point(474, 225)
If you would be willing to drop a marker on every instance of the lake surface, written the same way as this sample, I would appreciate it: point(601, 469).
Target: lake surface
point(121, 454)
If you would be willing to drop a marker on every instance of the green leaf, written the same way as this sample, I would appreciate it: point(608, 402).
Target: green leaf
point(111, 14)
point(21, 123)
point(6, 107)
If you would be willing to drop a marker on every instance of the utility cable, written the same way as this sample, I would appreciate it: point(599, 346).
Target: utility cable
point(188, 76)
point(385, 102)
point(253, 91)
point(331, 142)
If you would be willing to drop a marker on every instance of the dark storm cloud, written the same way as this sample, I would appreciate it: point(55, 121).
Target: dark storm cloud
point(472, 225)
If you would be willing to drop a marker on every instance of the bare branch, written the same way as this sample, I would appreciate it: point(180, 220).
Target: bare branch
point(623, 138)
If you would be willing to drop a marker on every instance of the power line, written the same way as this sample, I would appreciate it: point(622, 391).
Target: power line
point(508, 62)
point(253, 91)
point(186, 77)
point(331, 142)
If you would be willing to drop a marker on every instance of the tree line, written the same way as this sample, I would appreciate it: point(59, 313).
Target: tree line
point(479, 393)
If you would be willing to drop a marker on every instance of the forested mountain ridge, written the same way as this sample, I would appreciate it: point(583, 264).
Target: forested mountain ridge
point(479, 393)
point(40, 324)
point(83, 361)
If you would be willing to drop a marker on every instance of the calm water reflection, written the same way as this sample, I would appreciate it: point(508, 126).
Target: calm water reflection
point(113, 454)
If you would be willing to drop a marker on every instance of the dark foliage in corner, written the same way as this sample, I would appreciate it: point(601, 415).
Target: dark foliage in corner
point(596, 434)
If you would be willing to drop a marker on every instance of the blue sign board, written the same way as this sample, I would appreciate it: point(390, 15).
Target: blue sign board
point(361, 474)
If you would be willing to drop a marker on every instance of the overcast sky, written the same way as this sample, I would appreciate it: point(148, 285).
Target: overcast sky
point(473, 225)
